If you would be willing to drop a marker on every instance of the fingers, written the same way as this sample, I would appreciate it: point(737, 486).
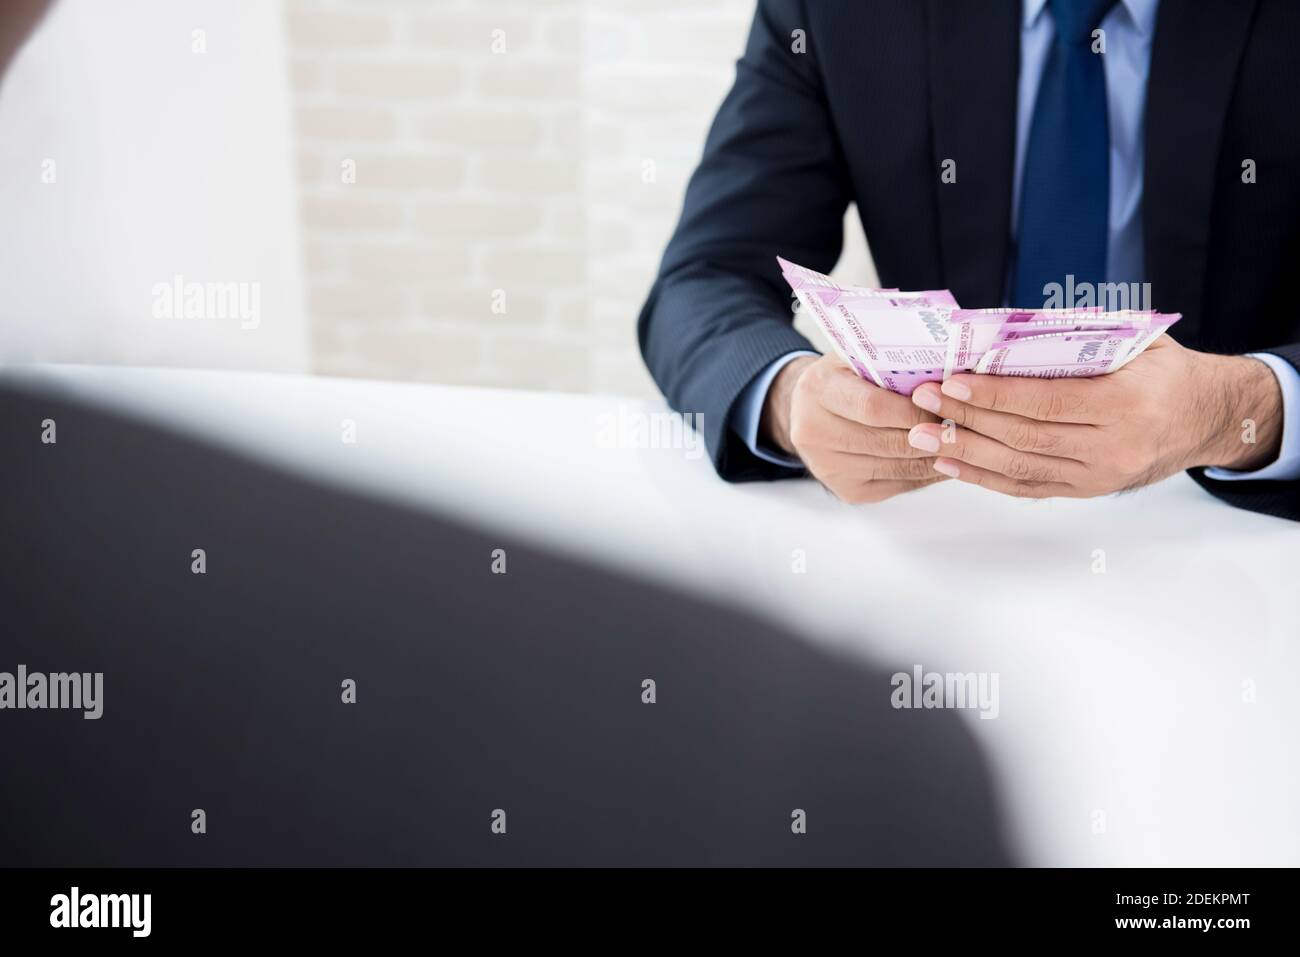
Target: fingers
point(1044, 400)
point(927, 396)
point(1062, 440)
point(829, 431)
point(857, 400)
point(983, 452)
point(841, 468)
point(859, 479)
point(866, 493)
point(994, 481)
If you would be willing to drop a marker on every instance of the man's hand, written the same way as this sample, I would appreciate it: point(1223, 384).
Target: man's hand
point(851, 434)
point(1168, 410)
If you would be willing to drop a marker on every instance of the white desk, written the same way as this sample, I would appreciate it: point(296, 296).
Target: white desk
point(1120, 692)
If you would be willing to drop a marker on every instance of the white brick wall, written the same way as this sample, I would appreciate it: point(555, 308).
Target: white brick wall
point(548, 172)
point(655, 72)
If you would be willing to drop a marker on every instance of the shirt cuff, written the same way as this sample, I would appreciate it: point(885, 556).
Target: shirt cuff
point(1286, 467)
point(748, 410)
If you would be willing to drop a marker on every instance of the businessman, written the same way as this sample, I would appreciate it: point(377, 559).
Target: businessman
point(998, 147)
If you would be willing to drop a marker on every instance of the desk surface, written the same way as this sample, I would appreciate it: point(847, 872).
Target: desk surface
point(1145, 644)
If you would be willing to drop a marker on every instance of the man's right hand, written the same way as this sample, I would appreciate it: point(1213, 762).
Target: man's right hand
point(851, 434)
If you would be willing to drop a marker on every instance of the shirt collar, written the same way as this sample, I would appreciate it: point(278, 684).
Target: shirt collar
point(1141, 12)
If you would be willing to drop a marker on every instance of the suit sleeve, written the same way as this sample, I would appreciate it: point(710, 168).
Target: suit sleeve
point(1280, 498)
point(772, 181)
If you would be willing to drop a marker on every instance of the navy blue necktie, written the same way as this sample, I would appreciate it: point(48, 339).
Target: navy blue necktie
point(1065, 187)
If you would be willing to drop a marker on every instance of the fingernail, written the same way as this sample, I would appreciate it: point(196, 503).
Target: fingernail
point(958, 390)
point(920, 439)
point(926, 399)
point(947, 468)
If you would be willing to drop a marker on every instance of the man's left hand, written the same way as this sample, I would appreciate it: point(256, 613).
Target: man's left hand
point(1168, 410)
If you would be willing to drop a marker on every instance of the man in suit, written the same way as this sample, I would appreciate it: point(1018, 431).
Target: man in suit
point(1087, 142)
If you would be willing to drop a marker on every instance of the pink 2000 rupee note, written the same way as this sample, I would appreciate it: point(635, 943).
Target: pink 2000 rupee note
point(1151, 336)
point(899, 338)
point(1137, 331)
point(1063, 355)
point(840, 339)
point(976, 331)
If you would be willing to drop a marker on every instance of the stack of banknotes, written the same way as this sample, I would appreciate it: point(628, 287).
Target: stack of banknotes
point(900, 339)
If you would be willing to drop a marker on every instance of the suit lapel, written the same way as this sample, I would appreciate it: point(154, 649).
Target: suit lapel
point(974, 63)
point(1197, 47)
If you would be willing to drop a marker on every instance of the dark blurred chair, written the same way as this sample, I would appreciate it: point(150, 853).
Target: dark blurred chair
point(475, 691)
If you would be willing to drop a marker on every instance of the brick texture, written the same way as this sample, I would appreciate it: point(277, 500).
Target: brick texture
point(486, 186)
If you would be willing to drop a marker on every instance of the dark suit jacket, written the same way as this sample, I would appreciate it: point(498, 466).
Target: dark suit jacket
point(889, 89)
